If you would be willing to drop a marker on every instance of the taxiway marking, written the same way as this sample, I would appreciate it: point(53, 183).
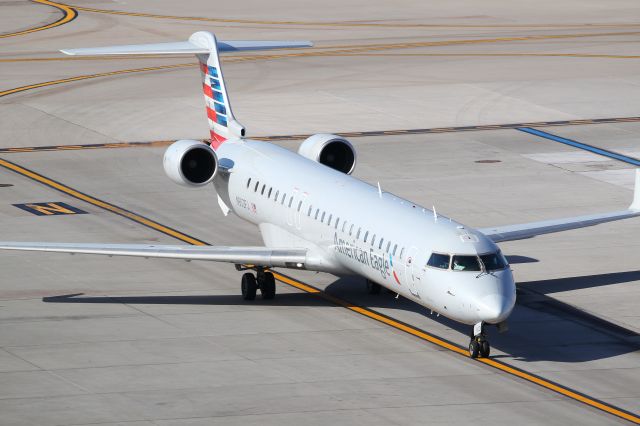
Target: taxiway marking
point(399, 132)
point(580, 145)
point(348, 23)
point(88, 76)
point(370, 313)
point(69, 15)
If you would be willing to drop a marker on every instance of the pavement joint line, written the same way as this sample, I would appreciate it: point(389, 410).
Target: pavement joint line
point(586, 147)
point(69, 14)
point(399, 132)
point(367, 312)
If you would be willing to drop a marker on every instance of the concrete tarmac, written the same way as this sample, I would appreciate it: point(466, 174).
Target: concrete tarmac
point(92, 340)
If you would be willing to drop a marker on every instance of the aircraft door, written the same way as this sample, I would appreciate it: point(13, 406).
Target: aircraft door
point(413, 271)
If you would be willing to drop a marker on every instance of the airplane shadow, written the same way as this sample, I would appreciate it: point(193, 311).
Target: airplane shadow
point(541, 327)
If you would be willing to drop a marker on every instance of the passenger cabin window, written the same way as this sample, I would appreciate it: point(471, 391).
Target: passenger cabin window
point(335, 225)
point(465, 263)
point(344, 224)
point(402, 253)
point(358, 233)
point(262, 190)
point(275, 198)
point(329, 220)
point(270, 189)
point(351, 229)
point(299, 205)
point(248, 182)
point(290, 201)
point(284, 197)
point(366, 235)
point(309, 211)
point(388, 245)
point(322, 219)
point(395, 248)
point(380, 245)
point(255, 188)
point(373, 240)
point(438, 260)
point(493, 261)
point(317, 213)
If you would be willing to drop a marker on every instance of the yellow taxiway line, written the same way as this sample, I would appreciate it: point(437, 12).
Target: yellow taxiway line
point(361, 310)
point(69, 15)
point(350, 23)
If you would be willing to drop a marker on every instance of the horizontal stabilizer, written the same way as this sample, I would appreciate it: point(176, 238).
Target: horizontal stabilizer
point(263, 256)
point(186, 47)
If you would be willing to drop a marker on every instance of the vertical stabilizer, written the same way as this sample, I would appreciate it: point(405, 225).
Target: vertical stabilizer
point(222, 123)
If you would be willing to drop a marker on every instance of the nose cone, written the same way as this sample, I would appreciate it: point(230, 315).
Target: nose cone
point(495, 308)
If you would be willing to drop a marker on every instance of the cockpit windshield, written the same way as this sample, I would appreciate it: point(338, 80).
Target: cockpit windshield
point(457, 262)
point(493, 261)
point(465, 263)
point(439, 260)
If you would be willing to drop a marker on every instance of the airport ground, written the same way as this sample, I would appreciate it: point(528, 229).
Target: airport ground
point(116, 341)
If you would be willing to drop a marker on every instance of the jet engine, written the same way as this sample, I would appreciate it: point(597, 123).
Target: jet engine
point(331, 150)
point(190, 163)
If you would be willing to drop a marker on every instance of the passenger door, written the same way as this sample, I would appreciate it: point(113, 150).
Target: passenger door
point(413, 271)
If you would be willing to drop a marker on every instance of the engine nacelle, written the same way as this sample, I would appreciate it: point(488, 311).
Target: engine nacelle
point(190, 163)
point(331, 150)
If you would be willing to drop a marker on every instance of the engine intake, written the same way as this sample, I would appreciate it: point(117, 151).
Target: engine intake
point(331, 150)
point(190, 163)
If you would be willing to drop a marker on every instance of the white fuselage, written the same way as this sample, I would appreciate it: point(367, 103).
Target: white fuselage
point(349, 227)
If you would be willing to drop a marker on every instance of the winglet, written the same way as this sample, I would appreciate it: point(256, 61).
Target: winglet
point(635, 205)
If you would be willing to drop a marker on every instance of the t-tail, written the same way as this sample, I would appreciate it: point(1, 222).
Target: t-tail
point(222, 123)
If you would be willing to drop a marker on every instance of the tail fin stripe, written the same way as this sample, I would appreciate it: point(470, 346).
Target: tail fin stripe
point(207, 91)
point(217, 96)
point(212, 115)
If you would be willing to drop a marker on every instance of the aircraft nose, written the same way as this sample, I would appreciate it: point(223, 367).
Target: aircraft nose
point(495, 308)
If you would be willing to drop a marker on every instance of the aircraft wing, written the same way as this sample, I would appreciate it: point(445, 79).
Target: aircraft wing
point(263, 256)
point(528, 230)
point(187, 47)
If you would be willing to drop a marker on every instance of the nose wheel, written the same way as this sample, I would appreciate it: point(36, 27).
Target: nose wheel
point(479, 345)
point(263, 281)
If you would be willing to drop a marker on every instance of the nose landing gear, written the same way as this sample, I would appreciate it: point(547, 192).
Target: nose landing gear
point(479, 345)
point(265, 281)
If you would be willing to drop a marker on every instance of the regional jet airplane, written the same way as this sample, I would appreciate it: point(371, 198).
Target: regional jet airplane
point(314, 215)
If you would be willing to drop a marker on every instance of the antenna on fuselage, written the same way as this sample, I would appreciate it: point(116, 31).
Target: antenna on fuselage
point(435, 214)
point(379, 190)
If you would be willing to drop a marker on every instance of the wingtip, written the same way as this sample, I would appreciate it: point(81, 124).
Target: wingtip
point(635, 204)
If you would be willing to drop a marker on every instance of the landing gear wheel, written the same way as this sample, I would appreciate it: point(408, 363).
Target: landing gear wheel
point(249, 286)
point(485, 349)
point(268, 286)
point(474, 348)
point(373, 288)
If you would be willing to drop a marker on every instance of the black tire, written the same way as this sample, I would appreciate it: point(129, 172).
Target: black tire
point(485, 349)
point(268, 286)
point(373, 288)
point(474, 349)
point(249, 286)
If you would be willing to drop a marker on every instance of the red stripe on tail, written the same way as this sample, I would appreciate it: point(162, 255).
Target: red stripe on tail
point(216, 140)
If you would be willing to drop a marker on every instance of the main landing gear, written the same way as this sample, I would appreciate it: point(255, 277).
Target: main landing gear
point(262, 280)
point(373, 287)
point(479, 345)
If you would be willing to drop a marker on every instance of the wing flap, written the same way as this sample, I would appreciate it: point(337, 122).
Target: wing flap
point(263, 256)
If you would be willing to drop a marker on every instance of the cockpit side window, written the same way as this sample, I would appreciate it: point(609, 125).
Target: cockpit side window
point(465, 263)
point(438, 260)
point(493, 261)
